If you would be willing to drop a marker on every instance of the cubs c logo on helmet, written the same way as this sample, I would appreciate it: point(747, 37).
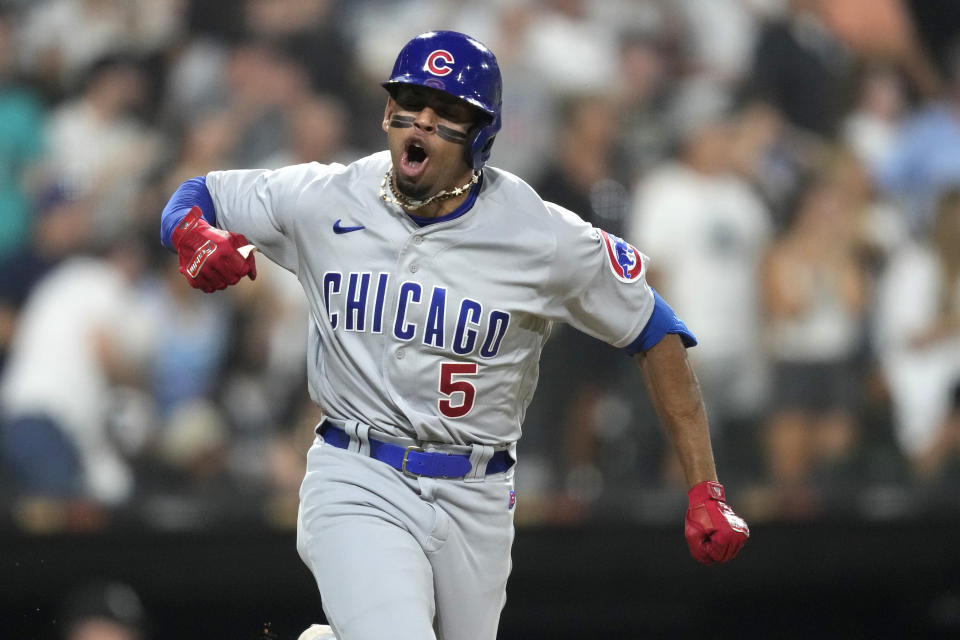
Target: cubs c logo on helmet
point(438, 62)
point(624, 259)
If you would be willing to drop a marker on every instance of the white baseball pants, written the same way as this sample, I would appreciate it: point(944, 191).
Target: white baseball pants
point(400, 557)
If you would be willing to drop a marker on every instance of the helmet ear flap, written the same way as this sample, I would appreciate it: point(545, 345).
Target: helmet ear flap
point(488, 145)
point(471, 148)
point(480, 141)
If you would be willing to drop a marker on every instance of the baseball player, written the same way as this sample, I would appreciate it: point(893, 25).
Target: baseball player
point(433, 281)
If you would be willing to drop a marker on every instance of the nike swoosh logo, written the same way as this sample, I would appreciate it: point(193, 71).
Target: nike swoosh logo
point(340, 229)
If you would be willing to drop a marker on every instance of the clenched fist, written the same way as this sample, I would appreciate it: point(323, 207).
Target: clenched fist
point(714, 532)
point(211, 259)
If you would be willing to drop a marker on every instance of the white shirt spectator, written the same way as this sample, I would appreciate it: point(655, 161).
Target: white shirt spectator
point(574, 55)
point(72, 34)
point(54, 367)
point(722, 34)
point(107, 157)
point(920, 379)
point(705, 236)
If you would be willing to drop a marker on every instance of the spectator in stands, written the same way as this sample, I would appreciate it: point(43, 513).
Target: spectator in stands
point(78, 333)
point(96, 143)
point(720, 37)
point(21, 130)
point(570, 49)
point(880, 230)
point(61, 39)
point(802, 68)
point(60, 228)
point(925, 158)
point(870, 129)
point(706, 231)
point(313, 32)
point(203, 145)
point(918, 337)
point(647, 63)
point(264, 81)
point(587, 176)
point(583, 178)
point(815, 295)
point(770, 154)
point(528, 115)
point(314, 131)
point(882, 30)
point(188, 341)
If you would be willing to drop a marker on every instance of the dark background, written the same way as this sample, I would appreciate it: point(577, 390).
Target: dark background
point(823, 579)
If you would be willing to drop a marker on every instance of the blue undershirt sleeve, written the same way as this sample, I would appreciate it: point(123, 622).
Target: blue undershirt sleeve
point(662, 321)
point(192, 193)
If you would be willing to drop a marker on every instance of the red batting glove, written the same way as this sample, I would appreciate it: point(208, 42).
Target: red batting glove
point(209, 257)
point(714, 532)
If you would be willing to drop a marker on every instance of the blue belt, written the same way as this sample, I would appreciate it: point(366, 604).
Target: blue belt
point(413, 460)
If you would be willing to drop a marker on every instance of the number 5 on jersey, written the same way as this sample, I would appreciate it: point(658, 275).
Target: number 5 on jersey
point(460, 394)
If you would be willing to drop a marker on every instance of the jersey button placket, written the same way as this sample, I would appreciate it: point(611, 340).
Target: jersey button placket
point(415, 241)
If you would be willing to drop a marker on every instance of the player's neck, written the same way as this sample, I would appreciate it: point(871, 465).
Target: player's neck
point(439, 208)
point(443, 202)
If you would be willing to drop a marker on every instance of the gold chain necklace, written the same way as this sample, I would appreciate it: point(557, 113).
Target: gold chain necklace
point(395, 197)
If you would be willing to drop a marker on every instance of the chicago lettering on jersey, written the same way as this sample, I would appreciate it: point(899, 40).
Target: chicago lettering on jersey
point(355, 301)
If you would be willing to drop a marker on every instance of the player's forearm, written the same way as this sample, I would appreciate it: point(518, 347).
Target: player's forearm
point(675, 393)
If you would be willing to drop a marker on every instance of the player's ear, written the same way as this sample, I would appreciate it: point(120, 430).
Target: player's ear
point(388, 113)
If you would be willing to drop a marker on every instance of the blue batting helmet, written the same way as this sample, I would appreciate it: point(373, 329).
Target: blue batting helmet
point(457, 64)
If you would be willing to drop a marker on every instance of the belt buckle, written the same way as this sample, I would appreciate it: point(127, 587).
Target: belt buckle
point(403, 463)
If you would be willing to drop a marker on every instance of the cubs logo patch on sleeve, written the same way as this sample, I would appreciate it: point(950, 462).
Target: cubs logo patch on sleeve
point(624, 259)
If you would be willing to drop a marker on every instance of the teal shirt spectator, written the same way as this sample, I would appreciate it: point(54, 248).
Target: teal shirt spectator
point(21, 146)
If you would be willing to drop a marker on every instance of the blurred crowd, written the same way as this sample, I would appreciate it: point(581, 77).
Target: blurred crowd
point(790, 167)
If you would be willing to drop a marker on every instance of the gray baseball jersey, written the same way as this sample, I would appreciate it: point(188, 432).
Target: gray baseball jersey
point(434, 331)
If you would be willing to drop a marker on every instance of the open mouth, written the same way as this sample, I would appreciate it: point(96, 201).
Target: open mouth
point(414, 158)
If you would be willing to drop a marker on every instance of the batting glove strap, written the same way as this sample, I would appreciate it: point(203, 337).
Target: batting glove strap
point(714, 532)
point(209, 257)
